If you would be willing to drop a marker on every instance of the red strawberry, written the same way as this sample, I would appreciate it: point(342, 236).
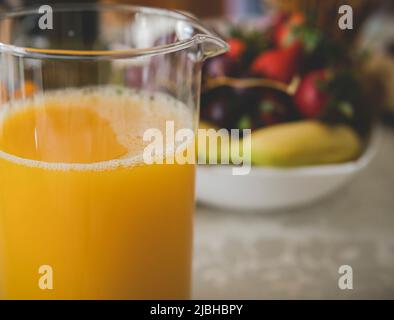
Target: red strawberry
point(237, 48)
point(310, 99)
point(284, 32)
point(277, 64)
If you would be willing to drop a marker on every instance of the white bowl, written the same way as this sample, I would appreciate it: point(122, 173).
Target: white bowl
point(276, 188)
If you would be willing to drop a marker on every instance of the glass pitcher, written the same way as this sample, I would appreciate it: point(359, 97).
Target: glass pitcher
point(81, 215)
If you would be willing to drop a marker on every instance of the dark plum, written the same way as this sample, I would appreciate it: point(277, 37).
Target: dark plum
point(219, 107)
point(247, 98)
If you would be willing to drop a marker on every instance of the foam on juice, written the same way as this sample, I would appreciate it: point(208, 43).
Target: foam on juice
point(97, 128)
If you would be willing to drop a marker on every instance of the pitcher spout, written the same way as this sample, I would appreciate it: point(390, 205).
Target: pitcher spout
point(211, 45)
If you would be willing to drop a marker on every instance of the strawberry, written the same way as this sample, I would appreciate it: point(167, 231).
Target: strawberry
point(237, 48)
point(284, 32)
point(277, 64)
point(309, 98)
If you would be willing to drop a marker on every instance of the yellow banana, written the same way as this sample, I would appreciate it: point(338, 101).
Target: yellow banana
point(304, 143)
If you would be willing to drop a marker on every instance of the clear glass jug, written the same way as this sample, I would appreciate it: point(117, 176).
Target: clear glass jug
point(81, 215)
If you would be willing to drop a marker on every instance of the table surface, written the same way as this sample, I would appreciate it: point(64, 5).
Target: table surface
point(297, 253)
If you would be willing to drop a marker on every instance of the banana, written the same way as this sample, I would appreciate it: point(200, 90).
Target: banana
point(304, 143)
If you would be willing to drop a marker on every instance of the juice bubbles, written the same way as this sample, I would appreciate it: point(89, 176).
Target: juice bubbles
point(76, 196)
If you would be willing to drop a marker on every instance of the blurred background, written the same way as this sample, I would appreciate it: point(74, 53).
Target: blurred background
point(373, 24)
point(285, 250)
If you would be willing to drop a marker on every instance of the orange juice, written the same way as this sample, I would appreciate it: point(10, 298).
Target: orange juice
point(76, 196)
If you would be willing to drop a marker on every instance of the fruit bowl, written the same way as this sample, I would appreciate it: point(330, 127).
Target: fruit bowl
point(307, 103)
point(276, 188)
